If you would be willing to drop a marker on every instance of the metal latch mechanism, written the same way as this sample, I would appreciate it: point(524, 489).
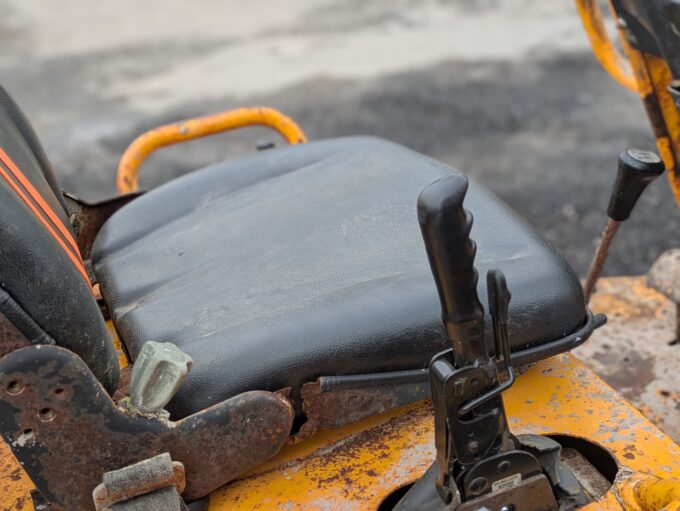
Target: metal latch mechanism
point(479, 462)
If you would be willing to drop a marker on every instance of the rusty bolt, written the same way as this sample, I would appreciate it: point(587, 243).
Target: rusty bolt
point(665, 278)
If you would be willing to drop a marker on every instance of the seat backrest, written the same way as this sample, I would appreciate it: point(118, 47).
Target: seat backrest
point(44, 288)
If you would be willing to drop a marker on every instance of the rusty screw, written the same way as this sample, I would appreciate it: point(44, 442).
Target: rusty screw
point(664, 276)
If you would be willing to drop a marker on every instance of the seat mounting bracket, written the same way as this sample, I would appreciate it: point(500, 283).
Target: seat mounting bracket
point(67, 432)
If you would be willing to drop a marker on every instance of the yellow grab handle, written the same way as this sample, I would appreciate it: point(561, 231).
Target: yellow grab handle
point(604, 50)
point(145, 144)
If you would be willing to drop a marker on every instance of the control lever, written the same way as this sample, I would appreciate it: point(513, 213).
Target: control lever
point(476, 453)
point(637, 169)
point(445, 226)
point(499, 301)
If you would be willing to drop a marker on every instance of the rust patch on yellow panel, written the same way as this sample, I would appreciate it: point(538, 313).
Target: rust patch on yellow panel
point(15, 486)
point(628, 298)
point(665, 122)
point(604, 50)
point(636, 352)
point(356, 467)
point(372, 460)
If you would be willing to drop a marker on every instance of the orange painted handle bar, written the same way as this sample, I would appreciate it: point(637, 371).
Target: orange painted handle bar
point(145, 144)
point(604, 50)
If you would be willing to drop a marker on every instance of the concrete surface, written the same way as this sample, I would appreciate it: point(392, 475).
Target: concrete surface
point(505, 90)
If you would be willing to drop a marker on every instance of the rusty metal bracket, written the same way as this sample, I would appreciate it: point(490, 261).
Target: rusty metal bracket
point(88, 217)
point(333, 401)
point(66, 431)
point(150, 485)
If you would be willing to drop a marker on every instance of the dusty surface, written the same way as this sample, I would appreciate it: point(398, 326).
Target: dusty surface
point(637, 352)
point(505, 90)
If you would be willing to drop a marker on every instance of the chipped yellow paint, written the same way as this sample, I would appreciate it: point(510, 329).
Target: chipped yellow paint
point(15, 486)
point(122, 357)
point(191, 129)
point(360, 465)
point(643, 73)
point(356, 467)
point(658, 494)
point(668, 119)
point(604, 50)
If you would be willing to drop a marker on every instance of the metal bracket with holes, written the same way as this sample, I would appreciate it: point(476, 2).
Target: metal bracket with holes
point(67, 432)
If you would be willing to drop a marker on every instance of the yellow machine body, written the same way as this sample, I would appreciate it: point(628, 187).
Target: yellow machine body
point(358, 466)
point(645, 74)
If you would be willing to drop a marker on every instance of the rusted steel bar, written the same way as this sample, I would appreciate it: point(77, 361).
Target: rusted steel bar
point(600, 258)
point(156, 480)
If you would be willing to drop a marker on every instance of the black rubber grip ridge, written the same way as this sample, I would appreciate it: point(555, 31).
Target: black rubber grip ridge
point(445, 226)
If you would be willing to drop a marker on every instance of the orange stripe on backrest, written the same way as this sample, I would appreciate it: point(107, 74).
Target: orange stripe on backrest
point(77, 262)
point(35, 195)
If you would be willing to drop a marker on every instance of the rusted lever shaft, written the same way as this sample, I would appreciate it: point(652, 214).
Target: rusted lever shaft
point(637, 169)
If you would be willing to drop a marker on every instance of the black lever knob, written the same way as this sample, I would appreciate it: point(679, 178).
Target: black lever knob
point(445, 226)
point(637, 168)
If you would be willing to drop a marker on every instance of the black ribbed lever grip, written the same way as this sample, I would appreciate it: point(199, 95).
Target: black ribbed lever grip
point(445, 226)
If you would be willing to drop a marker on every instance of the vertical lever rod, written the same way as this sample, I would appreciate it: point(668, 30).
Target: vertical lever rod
point(637, 169)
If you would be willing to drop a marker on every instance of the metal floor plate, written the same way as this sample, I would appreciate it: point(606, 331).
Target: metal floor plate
point(636, 351)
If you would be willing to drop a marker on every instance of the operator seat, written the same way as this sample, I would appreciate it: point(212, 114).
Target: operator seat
point(306, 261)
point(44, 287)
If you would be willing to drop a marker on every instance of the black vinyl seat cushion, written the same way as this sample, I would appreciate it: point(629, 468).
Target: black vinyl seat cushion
point(308, 261)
